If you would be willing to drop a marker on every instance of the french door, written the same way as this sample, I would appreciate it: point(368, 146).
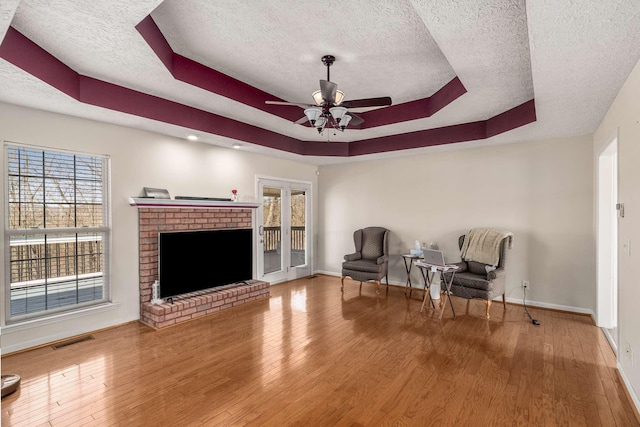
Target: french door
point(283, 239)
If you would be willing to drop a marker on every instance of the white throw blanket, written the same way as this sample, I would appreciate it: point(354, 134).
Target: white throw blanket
point(483, 245)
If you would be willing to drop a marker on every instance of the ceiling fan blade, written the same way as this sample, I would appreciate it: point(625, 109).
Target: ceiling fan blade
point(289, 103)
point(301, 120)
point(328, 90)
point(355, 119)
point(367, 102)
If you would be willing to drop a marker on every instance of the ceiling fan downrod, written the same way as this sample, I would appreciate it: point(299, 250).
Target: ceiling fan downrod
point(328, 60)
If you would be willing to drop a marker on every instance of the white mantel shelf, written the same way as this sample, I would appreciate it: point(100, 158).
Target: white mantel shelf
point(170, 203)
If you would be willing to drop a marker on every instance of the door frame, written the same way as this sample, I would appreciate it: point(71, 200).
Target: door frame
point(607, 253)
point(288, 272)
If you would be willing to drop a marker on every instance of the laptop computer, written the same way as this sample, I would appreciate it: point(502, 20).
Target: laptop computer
point(433, 257)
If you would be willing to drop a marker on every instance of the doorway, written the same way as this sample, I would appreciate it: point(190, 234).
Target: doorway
point(607, 247)
point(283, 238)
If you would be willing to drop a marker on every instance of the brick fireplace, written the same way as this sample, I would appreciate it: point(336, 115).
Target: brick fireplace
point(156, 216)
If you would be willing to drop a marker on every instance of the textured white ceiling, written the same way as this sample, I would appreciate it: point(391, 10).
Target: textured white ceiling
point(571, 55)
point(381, 47)
point(7, 9)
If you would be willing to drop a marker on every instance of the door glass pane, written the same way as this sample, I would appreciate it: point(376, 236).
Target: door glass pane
point(298, 228)
point(272, 233)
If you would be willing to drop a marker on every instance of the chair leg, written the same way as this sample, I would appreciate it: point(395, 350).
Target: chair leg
point(504, 302)
point(378, 287)
point(487, 303)
point(342, 286)
point(468, 305)
point(360, 287)
point(387, 285)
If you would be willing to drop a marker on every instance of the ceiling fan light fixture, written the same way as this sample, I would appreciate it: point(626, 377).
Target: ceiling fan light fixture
point(317, 97)
point(344, 122)
point(328, 109)
point(338, 113)
point(319, 100)
point(313, 114)
point(320, 122)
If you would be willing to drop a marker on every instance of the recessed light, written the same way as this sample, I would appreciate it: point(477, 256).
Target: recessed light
point(192, 137)
point(236, 146)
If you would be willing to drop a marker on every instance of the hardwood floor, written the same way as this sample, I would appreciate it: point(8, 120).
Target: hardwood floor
point(310, 356)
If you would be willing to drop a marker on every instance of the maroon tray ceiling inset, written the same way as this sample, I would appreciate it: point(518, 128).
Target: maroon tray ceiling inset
point(196, 74)
point(28, 56)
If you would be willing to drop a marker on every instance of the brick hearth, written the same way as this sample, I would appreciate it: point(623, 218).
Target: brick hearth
point(153, 220)
point(196, 304)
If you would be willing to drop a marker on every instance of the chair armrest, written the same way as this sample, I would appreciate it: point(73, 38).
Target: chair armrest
point(462, 266)
point(381, 260)
point(495, 274)
point(353, 257)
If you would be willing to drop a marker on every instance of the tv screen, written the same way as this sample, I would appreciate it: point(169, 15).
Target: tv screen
point(194, 260)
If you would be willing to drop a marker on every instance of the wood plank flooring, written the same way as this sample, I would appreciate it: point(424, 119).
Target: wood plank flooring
point(311, 356)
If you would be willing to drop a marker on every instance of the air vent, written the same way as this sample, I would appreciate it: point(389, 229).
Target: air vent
point(313, 276)
point(72, 341)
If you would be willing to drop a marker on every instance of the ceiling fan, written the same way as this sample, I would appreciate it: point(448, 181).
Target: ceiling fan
point(330, 108)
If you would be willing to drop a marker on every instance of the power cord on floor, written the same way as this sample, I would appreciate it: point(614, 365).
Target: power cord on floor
point(524, 298)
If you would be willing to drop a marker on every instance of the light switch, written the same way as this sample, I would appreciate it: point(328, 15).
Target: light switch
point(626, 247)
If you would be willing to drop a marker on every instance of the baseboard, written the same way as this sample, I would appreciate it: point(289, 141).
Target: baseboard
point(610, 340)
point(56, 338)
point(61, 334)
point(629, 389)
point(326, 273)
point(557, 307)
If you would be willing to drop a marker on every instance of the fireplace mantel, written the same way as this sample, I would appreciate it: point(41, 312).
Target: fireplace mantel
point(141, 202)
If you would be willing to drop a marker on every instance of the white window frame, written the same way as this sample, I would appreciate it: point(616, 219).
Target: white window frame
point(105, 230)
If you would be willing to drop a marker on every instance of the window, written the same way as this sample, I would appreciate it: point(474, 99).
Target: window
point(57, 231)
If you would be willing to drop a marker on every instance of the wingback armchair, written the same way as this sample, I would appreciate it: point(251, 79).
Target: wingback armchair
point(473, 280)
point(370, 261)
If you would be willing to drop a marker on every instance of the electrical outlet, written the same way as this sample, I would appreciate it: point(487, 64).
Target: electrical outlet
point(628, 352)
point(525, 284)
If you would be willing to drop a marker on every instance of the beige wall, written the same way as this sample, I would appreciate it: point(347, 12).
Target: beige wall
point(138, 159)
point(624, 117)
point(541, 191)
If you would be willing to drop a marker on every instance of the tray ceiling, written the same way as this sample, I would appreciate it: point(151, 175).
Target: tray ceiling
point(459, 73)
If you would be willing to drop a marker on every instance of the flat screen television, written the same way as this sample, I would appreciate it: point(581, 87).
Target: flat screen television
point(195, 260)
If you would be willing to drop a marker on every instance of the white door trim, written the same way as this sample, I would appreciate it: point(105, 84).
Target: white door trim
point(288, 273)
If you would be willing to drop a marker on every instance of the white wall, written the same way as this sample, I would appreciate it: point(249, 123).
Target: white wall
point(138, 159)
point(541, 191)
point(624, 117)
